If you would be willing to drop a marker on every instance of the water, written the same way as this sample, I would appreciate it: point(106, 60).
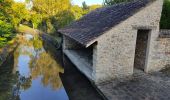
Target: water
point(31, 73)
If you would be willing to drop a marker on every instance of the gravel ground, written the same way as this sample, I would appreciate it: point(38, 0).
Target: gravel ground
point(155, 86)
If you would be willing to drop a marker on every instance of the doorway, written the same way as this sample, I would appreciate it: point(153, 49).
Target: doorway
point(142, 43)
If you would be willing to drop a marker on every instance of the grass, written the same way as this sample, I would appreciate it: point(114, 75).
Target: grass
point(25, 29)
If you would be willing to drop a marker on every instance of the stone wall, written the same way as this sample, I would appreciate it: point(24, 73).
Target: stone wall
point(116, 48)
point(89, 55)
point(114, 54)
point(69, 43)
point(161, 54)
point(6, 51)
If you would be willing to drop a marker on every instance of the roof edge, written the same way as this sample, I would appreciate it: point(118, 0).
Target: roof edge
point(95, 39)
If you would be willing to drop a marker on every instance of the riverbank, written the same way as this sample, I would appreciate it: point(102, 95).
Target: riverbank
point(12, 45)
point(76, 84)
point(6, 50)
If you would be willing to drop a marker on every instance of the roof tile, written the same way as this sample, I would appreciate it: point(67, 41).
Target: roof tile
point(100, 20)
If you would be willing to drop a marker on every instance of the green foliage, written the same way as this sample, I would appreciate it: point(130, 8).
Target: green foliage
point(90, 8)
point(37, 43)
point(165, 19)
point(93, 7)
point(46, 15)
point(111, 2)
point(5, 10)
point(19, 13)
point(35, 19)
point(67, 17)
point(6, 27)
point(77, 12)
point(85, 5)
point(51, 12)
point(55, 14)
point(6, 30)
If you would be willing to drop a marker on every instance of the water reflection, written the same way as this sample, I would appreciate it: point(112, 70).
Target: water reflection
point(33, 75)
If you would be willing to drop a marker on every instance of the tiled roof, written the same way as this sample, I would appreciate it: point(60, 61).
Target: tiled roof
point(94, 24)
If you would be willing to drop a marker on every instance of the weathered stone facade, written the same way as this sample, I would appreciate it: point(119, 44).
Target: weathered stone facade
point(116, 48)
point(161, 53)
point(114, 51)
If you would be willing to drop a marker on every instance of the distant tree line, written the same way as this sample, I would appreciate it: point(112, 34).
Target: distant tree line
point(45, 15)
point(50, 15)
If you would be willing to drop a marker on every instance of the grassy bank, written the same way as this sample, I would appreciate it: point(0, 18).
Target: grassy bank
point(23, 29)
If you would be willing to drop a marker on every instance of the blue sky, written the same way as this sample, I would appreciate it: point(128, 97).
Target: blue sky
point(79, 2)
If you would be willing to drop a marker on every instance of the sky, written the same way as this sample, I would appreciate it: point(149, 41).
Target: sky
point(79, 2)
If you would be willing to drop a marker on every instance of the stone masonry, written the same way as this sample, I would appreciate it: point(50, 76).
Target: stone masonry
point(116, 48)
point(113, 53)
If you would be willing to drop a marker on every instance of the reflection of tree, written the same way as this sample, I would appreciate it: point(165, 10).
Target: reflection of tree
point(7, 79)
point(25, 82)
point(22, 83)
point(46, 67)
point(41, 65)
point(16, 56)
point(37, 43)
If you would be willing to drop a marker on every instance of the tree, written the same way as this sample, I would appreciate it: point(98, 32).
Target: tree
point(93, 7)
point(165, 19)
point(77, 12)
point(51, 7)
point(84, 5)
point(35, 19)
point(50, 10)
point(6, 28)
point(111, 2)
point(19, 12)
point(5, 10)
point(62, 19)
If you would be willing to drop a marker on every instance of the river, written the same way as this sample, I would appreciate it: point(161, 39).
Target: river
point(33, 72)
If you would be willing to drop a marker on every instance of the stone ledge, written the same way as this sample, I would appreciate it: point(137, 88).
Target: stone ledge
point(80, 63)
point(164, 33)
point(4, 53)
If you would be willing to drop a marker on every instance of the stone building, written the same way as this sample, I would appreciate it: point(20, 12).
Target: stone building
point(111, 42)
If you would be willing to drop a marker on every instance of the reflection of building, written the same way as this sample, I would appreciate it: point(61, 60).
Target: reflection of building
point(109, 42)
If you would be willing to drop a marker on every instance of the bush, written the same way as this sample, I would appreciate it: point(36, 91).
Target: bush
point(6, 32)
point(165, 19)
